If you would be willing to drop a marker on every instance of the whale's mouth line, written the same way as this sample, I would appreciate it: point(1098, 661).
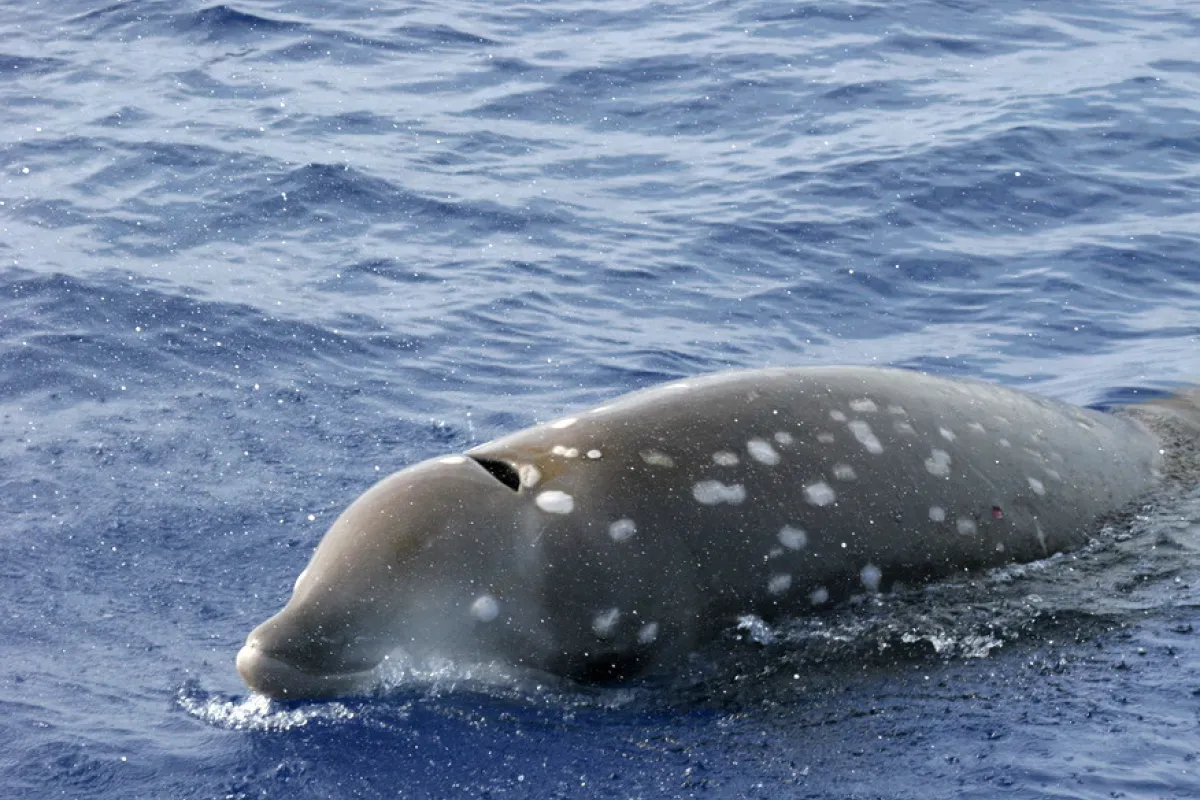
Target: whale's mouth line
point(274, 677)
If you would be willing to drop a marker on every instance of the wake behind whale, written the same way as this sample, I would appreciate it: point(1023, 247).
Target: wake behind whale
point(617, 540)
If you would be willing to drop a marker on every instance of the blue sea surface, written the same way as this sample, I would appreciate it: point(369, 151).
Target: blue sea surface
point(255, 255)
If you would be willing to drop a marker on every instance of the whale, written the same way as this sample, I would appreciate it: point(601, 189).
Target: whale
point(615, 541)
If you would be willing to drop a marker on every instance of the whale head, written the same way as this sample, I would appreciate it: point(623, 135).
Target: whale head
point(423, 562)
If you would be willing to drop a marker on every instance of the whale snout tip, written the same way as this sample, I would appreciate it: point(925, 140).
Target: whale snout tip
point(272, 676)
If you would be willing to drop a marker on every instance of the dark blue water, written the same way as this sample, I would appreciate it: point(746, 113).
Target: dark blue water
point(254, 255)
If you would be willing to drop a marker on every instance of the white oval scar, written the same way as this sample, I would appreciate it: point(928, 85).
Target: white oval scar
point(648, 633)
point(938, 463)
point(452, 460)
point(1004, 442)
point(530, 475)
point(937, 514)
point(1038, 487)
point(593, 454)
point(793, 538)
point(844, 472)
point(897, 410)
point(975, 426)
point(903, 428)
point(864, 406)
point(784, 438)
point(762, 452)
point(622, 530)
point(865, 436)
point(819, 596)
point(965, 525)
point(604, 622)
point(564, 423)
point(725, 458)
point(485, 608)
point(819, 493)
point(710, 493)
point(565, 452)
point(947, 434)
point(837, 416)
point(656, 458)
point(871, 576)
point(778, 584)
point(825, 438)
point(555, 502)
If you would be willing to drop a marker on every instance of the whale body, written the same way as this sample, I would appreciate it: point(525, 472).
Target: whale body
point(618, 539)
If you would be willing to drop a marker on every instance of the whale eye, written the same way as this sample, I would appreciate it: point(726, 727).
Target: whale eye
point(502, 471)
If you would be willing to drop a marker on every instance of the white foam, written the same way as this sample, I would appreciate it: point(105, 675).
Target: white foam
point(555, 502)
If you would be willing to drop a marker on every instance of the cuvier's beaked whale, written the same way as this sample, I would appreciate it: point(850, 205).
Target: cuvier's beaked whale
point(618, 539)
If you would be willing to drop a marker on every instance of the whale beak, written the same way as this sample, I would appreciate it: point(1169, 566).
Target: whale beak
point(279, 680)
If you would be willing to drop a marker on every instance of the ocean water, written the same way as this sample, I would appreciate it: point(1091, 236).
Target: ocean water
point(254, 255)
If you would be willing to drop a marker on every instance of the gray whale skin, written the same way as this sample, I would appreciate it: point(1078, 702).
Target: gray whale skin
point(616, 540)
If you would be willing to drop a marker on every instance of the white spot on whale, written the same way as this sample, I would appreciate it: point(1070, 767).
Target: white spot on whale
point(1003, 442)
point(819, 493)
point(937, 514)
point(844, 472)
point(762, 452)
point(837, 416)
point(1053, 474)
point(784, 438)
point(452, 460)
point(530, 475)
point(938, 463)
point(819, 596)
point(656, 458)
point(947, 434)
point(778, 584)
point(485, 608)
point(793, 538)
point(965, 526)
point(564, 423)
point(593, 454)
point(825, 438)
point(604, 622)
point(565, 452)
point(903, 428)
point(1038, 487)
point(710, 493)
point(897, 411)
point(864, 406)
point(975, 426)
point(866, 437)
point(870, 576)
point(648, 633)
point(725, 458)
point(622, 530)
point(555, 502)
